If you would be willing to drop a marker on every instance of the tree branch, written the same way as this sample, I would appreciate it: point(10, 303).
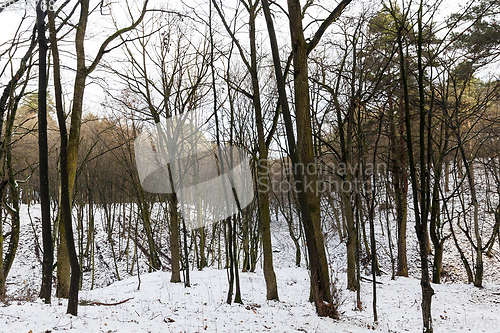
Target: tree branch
point(326, 23)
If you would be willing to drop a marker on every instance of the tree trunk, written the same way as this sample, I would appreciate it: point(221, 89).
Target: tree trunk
point(2, 278)
point(203, 259)
point(187, 280)
point(345, 140)
point(82, 72)
point(437, 266)
point(43, 153)
point(65, 190)
point(63, 266)
point(421, 182)
point(174, 239)
point(357, 208)
point(63, 263)
point(237, 292)
point(265, 223)
point(262, 166)
point(478, 276)
point(400, 181)
point(154, 261)
point(351, 241)
point(435, 223)
point(14, 194)
point(463, 258)
point(310, 195)
point(295, 238)
point(229, 255)
point(301, 154)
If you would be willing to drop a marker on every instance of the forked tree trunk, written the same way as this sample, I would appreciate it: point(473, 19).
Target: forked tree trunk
point(82, 72)
point(63, 263)
point(301, 154)
point(308, 195)
point(43, 153)
point(65, 190)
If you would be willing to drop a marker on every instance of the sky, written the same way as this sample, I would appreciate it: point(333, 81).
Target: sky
point(100, 26)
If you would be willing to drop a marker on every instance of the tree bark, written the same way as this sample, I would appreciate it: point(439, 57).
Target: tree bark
point(65, 192)
point(43, 153)
point(310, 195)
point(63, 266)
point(435, 224)
point(400, 183)
point(174, 239)
point(309, 208)
point(2, 278)
point(82, 72)
point(420, 188)
point(263, 169)
point(154, 260)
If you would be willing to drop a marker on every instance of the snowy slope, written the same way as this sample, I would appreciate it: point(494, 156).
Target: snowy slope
point(160, 306)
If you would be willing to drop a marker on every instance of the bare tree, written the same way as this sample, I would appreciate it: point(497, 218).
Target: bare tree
point(9, 101)
point(43, 153)
point(81, 74)
point(263, 141)
point(301, 151)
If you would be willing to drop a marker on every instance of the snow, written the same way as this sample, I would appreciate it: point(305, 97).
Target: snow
point(161, 306)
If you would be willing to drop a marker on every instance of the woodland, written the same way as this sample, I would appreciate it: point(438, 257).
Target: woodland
point(372, 130)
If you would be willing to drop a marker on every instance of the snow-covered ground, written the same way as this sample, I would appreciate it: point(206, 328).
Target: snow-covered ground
point(160, 306)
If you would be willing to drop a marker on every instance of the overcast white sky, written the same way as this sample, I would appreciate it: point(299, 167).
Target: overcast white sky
point(101, 26)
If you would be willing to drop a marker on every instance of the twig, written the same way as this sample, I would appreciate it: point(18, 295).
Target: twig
point(110, 304)
point(366, 279)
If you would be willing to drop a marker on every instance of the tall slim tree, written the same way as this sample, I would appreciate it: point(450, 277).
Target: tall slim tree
point(301, 151)
point(43, 153)
point(64, 179)
point(300, 51)
point(82, 72)
point(262, 143)
point(419, 181)
point(9, 101)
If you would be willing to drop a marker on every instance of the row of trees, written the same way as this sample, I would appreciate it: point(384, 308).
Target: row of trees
point(361, 107)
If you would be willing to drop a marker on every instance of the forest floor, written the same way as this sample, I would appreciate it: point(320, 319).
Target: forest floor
point(160, 306)
point(156, 305)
